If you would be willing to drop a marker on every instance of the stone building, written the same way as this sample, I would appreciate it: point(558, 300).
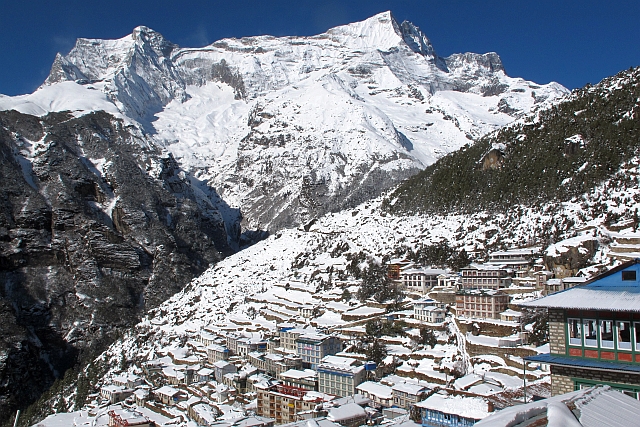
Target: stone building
point(594, 332)
point(485, 276)
point(481, 303)
point(286, 404)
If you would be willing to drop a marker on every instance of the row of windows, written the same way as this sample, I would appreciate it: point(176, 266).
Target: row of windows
point(334, 378)
point(483, 306)
point(629, 391)
point(603, 333)
point(483, 281)
point(484, 273)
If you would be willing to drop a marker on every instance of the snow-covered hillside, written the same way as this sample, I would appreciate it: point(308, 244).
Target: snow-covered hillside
point(312, 265)
point(289, 128)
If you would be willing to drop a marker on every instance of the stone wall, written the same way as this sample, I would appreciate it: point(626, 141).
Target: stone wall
point(561, 378)
point(560, 384)
point(557, 337)
point(491, 329)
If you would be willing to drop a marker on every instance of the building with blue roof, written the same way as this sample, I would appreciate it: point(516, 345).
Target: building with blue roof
point(594, 332)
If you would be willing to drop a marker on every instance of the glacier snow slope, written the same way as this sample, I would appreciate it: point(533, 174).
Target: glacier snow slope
point(289, 128)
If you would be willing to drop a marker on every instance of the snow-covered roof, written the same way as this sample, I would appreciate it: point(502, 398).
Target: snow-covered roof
point(575, 279)
point(484, 267)
point(112, 388)
point(607, 291)
point(313, 336)
point(221, 364)
point(426, 271)
point(339, 363)
point(409, 388)
point(217, 347)
point(141, 393)
point(316, 395)
point(339, 360)
point(205, 412)
point(597, 406)
point(130, 416)
point(273, 356)
point(312, 422)
point(516, 252)
point(167, 391)
point(298, 374)
point(345, 412)
point(468, 407)
point(126, 377)
point(467, 381)
point(510, 312)
point(380, 390)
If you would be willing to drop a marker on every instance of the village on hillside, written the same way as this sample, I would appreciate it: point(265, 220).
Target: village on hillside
point(459, 347)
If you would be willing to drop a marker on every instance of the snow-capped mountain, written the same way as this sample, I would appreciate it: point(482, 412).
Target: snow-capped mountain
point(166, 148)
point(582, 233)
point(289, 128)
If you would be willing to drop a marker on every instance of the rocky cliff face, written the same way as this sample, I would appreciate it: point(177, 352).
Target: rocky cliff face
point(97, 225)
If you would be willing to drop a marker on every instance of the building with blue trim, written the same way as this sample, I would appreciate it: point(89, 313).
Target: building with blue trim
point(594, 332)
point(442, 410)
point(312, 347)
point(340, 376)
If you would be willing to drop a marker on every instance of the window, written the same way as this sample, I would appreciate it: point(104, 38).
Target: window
point(636, 327)
point(624, 335)
point(606, 333)
point(629, 275)
point(575, 332)
point(590, 333)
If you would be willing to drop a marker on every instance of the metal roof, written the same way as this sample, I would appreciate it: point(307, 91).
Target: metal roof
point(588, 298)
point(553, 359)
point(608, 291)
point(593, 407)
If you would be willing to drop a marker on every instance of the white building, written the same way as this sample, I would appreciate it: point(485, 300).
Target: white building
point(517, 259)
point(420, 279)
point(379, 394)
point(115, 393)
point(428, 310)
point(339, 376)
point(169, 395)
point(128, 380)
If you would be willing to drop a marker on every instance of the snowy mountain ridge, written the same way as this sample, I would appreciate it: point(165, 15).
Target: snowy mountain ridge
point(312, 124)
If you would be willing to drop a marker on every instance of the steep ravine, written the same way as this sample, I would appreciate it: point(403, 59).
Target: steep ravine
point(96, 226)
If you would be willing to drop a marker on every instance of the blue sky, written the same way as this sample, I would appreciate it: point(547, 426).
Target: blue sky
point(571, 42)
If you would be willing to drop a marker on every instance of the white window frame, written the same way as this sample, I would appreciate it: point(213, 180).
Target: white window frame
point(590, 342)
point(578, 340)
point(606, 343)
point(621, 344)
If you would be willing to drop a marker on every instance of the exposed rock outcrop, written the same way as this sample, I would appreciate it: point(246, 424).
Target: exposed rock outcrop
point(96, 226)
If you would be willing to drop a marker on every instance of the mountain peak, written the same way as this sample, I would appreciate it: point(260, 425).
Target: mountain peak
point(383, 32)
point(380, 31)
point(145, 35)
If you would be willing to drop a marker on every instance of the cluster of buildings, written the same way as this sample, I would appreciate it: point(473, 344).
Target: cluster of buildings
point(480, 290)
point(301, 374)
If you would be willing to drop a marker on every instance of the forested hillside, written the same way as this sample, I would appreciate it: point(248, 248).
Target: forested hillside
point(554, 155)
